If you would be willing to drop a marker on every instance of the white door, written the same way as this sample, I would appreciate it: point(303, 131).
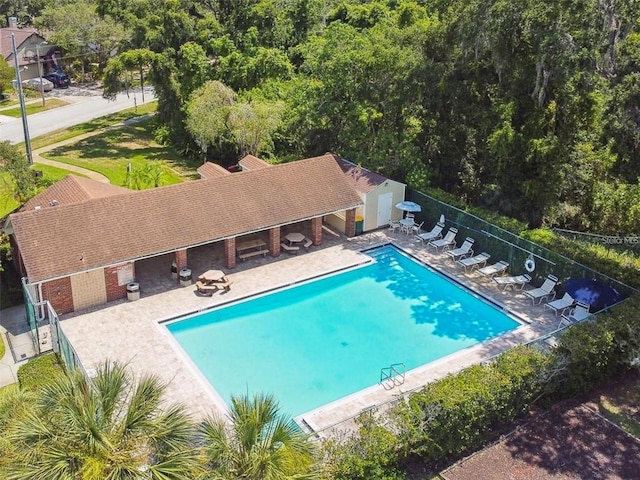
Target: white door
point(385, 204)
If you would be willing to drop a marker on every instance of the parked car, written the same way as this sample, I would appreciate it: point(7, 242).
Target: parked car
point(59, 79)
point(34, 84)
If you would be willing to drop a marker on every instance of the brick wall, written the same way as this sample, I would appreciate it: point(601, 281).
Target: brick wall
point(115, 291)
point(316, 230)
point(59, 294)
point(230, 252)
point(274, 241)
point(350, 223)
point(181, 259)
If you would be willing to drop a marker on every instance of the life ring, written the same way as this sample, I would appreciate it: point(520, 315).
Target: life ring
point(530, 264)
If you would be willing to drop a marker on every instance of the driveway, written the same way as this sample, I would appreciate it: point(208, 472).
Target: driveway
point(85, 104)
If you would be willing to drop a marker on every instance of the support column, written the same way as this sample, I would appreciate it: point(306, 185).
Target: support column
point(350, 223)
point(316, 231)
point(181, 259)
point(274, 242)
point(230, 252)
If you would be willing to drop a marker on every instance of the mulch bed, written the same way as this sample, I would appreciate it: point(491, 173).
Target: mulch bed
point(563, 443)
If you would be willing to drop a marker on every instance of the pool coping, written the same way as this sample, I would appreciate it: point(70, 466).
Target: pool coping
point(135, 332)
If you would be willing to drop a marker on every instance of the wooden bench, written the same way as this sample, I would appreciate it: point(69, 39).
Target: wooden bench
point(226, 285)
point(206, 289)
point(290, 248)
point(253, 253)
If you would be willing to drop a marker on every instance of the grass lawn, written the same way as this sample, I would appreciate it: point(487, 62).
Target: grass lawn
point(8, 204)
point(111, 151)
point(54, 173)
point(35, 107)
point(93, 125)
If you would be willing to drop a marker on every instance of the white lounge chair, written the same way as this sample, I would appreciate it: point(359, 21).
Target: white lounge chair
point(518, 281)
point(491, 271)
point(546, 290)
point(478, 261)
point(561, 304)
point(464, 251)
point(434, 234)
point(578, 313)
point(446, 242)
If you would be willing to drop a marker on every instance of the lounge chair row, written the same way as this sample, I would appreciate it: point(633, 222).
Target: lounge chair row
point(464, 256)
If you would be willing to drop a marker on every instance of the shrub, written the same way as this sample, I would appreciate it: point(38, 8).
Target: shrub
point(591, 352)
point(622, 266)
point(370, 454)
point(460, 412)
point(39, 371)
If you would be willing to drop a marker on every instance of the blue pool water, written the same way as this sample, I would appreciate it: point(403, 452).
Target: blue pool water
point(317, 342)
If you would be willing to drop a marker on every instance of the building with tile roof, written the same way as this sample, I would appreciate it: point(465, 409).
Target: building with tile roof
point(77, 243)
point(29, 45)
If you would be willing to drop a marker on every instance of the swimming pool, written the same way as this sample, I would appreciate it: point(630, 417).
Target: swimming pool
point(319, 341)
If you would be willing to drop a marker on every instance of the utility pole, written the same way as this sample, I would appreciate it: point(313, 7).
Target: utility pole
point(23, 110)
point(40, 70)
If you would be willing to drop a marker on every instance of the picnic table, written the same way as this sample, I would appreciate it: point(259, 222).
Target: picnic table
point(251, 248)
point(211, 276)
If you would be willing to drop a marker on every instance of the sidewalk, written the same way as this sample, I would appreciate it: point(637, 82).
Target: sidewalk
point(17, 340)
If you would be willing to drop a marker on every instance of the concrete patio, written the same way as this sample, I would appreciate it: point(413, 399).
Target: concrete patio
point(132, 331)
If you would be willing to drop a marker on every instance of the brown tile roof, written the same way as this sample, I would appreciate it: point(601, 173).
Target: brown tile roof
point(72, 189)
point(212, 170)
point(21, 35)
point(67, 239)
point(361, 179)
point(250, 162)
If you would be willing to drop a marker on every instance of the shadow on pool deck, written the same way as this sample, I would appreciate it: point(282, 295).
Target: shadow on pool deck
point(129, 331)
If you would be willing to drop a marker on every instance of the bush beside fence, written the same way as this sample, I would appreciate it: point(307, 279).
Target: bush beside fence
point(454, 416)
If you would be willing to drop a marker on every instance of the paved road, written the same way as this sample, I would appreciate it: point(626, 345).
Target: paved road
point(82, 109)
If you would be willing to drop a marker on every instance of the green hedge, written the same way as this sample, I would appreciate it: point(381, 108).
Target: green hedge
point(591, 352)
point(621, 266)
point(39, 371)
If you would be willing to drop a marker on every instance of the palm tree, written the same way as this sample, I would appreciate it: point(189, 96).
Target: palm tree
point(256, 442)
point(15, 403)
point(108, 427)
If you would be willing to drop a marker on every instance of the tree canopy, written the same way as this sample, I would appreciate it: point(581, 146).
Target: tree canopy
point(522, 106)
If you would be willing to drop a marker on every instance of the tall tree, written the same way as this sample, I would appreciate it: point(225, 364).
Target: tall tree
point(81, 32)
point(257, 443)
point(21, 182)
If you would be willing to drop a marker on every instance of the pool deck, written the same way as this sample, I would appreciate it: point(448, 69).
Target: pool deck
point(132, 332)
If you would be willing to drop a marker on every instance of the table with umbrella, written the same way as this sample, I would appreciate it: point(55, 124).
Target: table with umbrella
point(408, 208)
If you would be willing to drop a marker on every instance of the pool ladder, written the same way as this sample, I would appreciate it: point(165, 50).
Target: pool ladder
point(392, 376)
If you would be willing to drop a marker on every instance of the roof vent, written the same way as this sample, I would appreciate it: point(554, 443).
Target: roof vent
point(37, 207)
point(13, 22)
point(53, 203)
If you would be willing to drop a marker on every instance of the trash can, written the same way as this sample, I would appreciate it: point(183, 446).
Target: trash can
point(359, 225)
point(133, 291)
point(185, 277)
point(174, 271)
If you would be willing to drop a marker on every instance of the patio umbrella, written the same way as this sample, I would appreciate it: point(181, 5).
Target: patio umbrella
point(408, 206)
point(597, 294)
